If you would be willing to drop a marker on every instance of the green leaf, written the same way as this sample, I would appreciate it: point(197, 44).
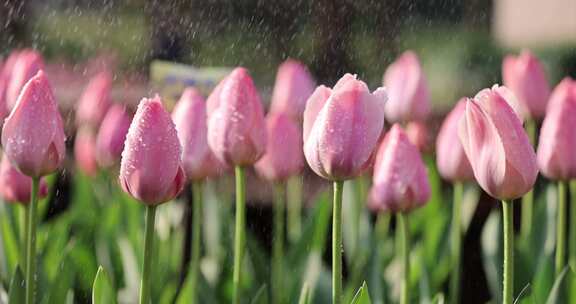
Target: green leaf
point(492, 254)
point(61, 284)
point(439, 299)
point(362, 296)
point(261, 296)
point(305, 295)
point(102, 291)
point(556, 292)
point(10, 247)
point(17, 290)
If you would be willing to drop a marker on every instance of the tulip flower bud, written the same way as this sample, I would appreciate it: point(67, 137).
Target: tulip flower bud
point(498, 148)
point(342, 127)
point(33, 135)
point(400, 182)
point(557, 147)
point(236, 129)
point(150, 169)
point(189, 115)
point(95, 100)
point(111, 136)
point(408, 95)
point(85, 151)
point(15, 186)
point(451, 159)
point(417, 132)
point(26, 65)
point(525, 76)
point(283, 157)
point(293, 86)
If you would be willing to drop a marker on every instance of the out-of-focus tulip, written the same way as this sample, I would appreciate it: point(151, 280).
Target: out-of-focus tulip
point(409, 98)
point(451, 159)
point(525, 76)
point(400, 181)
point(85, 151)
point(499, 151)
point(342, 127)
point(283, 157)
point(26, 65)
point(15, 186)
point(95, 100)
point(293, 86)
point(111, 136)
point(151, 170)
point(236, 129)
point(33, 135)
point(557, 147)
point(189, 115)
point(417, 132)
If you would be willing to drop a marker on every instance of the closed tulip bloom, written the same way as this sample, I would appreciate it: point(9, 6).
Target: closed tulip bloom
point(236, 129)
point(342, 127)
point(283, 157)
point(85, 151)
point(525, 76)
point(150, 169)
point(557, 147)
point(417, 132)
point(400, 181)
point(409, 98)
point(95, 100)
point(33, 135)
point(26, 65)
point(293, 86)
point(15, 186)
point(111, 136)
point(498, 148)
point(451, 159)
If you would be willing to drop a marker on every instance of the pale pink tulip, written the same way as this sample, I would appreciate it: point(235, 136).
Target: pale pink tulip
point(85, 151)
point(408, 95)
point(498, 148)
point(27, 63)
point(151, 170)
point(293, 86)
point(33, 135)
point(111, 136)
point(15, 186)
point(342, 127)
point(95, 100)
point(417, 132)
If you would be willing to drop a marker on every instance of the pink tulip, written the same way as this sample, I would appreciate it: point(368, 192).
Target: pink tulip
point(417, 132)
point(283, 157)
point(342, 127)
point(26, 65)
point(189, 115)
point(111, 136)
point(85, 151)
point(151, 170)
point(33, 135)
point(557, 147)
point(499, 151)
point(293, 86)
point(236, 128)
point(451, 159)
point(525, 76)
point(409, 98)
point(95, 100)
point(15, 186)
point(400, 181)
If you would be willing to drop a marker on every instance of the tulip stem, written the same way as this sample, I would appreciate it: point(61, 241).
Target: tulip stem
point(528, 198)
point(405, 253)
point(337, 243)
point(456, 244)
point(294, 196)
point(148, 249)
point(278, 246)
point(508, 273)
point(31, 240)
point(572, 237)
point(196, 237)
point(561, 228)
point(239, 234)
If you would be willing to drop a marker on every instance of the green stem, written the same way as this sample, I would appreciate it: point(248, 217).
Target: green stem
point(239, 234)
point(572, 239)
point(31, 240)
point(148, 250)
point(456, 244)
point(24, 232)
point(196, 237)
point(405, 253)
point(278, 246)
point(294, 197)
point(528, 198)
point(337, 243)
point(508, 273)
point(561, 229)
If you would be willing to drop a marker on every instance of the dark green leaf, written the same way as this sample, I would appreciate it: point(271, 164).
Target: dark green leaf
point(102, 291)
point(362, 296)
point(261, 296)
point(17, 292)
point(556, 292)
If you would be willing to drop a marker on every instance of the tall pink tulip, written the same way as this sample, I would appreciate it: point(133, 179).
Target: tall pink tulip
point(451, 159)
point(557, 147)
point(111, 136)
point(293, 86)
point(151, 170)
point(33, 135)
point(526, 77)
point(95, 100)
point(409, 98)
point(15, 186)
point(283, 157)
point(236, 129)
point(85, 151)
point(342, 127)
point(26, 65)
